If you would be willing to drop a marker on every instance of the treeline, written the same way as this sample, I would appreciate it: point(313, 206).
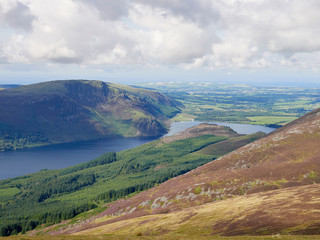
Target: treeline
point(66, 184)
point(12, 140)
point(103, 159)
point(113, 194)
point(55, 216)
point(37, 192)
point(51, 196)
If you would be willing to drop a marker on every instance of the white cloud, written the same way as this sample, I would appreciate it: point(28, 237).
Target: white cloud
point(188, 33)
point(166, 38)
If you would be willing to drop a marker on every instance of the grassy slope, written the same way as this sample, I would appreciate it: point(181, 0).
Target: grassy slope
point(126, 237)
point(284, 164)
point(285, 211)
point(60, 191)
point(230, 144)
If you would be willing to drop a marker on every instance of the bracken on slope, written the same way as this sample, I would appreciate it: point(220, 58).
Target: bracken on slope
point(270, 181)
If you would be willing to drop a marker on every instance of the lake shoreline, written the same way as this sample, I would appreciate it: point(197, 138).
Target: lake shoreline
point(55, 156)
point(247, 128)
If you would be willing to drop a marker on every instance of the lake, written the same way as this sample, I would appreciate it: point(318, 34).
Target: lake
point(21, 162)
point(239, 128)
point(29, 160)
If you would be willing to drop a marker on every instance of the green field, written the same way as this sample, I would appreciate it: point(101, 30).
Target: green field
point(262, 105)
point(268, 120)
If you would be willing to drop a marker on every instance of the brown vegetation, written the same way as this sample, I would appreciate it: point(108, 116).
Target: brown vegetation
point(284, 211)
point(267, 187)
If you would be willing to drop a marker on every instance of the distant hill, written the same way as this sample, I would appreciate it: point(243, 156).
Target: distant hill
point(74, 110)
point(6, 86)
point(269, 186)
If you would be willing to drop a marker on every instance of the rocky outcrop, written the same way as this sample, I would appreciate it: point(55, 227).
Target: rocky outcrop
point(149, 127)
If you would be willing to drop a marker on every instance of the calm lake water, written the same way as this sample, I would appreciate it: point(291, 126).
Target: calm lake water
point(21, 162)
point(239, 128)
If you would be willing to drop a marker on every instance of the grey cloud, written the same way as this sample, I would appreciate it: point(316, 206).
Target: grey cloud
point(3, 59)
point(109, 10)
point(19, 17)
point(199, 11)
point(66, 60)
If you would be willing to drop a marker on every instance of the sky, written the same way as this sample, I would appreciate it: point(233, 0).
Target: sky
point(132, 41)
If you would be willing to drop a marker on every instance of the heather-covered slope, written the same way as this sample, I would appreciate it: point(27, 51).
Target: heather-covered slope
point(283, 211)
point(284, 163)
point(74, 110)
point(49, 196)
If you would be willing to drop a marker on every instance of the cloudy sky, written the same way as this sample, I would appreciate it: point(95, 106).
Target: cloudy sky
point(260, 41)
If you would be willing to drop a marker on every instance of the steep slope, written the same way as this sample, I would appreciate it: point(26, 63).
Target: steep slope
point(285, 160)
point(50, 196)
point(282, 212)
point(73, 110)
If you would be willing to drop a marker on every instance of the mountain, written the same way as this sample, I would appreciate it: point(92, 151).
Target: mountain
point(75, 110)
point(5, 86)
point(51, 196)
point(270, 186)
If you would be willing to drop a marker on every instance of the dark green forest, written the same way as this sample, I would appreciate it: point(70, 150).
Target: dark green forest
point(50, 196)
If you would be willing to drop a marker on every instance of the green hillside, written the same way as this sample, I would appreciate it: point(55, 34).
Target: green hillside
point(75, 110)
point(50, 196)
point(268, 187)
